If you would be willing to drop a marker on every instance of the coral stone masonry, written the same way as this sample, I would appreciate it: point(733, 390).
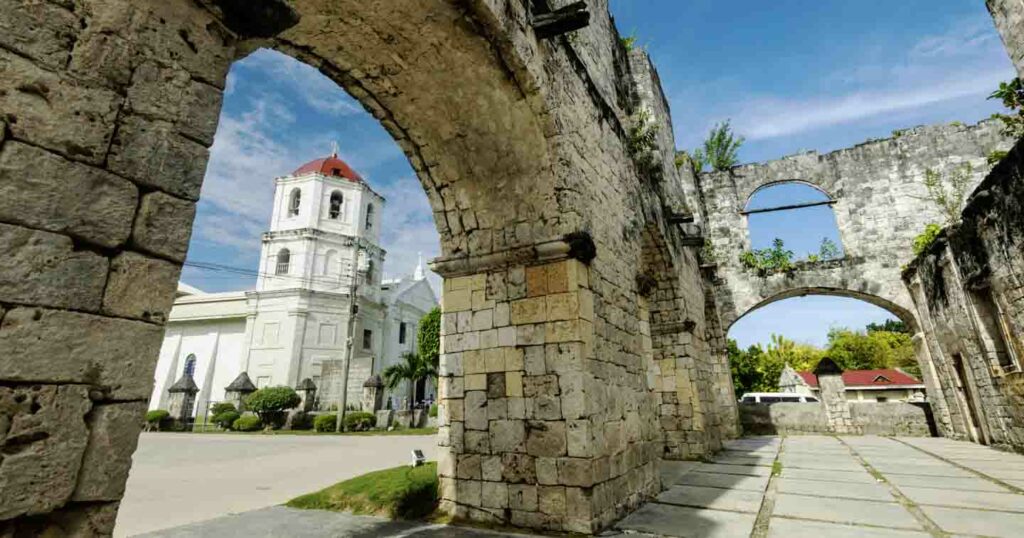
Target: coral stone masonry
point(582, 339)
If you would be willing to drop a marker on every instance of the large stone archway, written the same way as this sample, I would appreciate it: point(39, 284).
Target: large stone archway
point(525, 143)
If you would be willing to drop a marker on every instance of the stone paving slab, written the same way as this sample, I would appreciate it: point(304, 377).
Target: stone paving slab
point(743, 460)
point(831, 476)
point(943, 483)
point(821, 464)
point(848, 490)
point(668, 520)
point(720, 480)
point(845, 511)
point(747, 470)
point(977, 522)
point(1012, 502)
point(794, 528)
point(714, 498)
point(923, 470)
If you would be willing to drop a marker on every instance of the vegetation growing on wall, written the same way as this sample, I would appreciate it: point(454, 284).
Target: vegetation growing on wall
point(949, 191)
point(721, 148)
point(428, 337)
point(1012, 95)
point(643, 137)
point(766, 261)
point(926, 238)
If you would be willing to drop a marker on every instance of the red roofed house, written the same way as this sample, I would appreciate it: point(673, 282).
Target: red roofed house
point(882, 385)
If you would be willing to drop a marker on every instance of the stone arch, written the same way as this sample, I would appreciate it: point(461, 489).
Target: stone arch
point(777, 182)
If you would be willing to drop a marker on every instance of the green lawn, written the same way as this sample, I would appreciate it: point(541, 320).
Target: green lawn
point(400, 492)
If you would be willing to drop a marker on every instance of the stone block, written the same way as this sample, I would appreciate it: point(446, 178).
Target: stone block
point(116, 355)
point(468, 467)
point(45, 269)
point(514, 359)
point(42, 31)
point(507, 336)
point(562, 306)
point(545, 439)
point(551, 500)
point(502, 314)
point(171, 94)
point(547, 470)
point(536, 283)
point(532, 310)
point(478, 442)
point(476, 382)
point(141, 287)
point(476, 410)
point(494, 360)
point(522, 497)
point(494, 495)
point(491, 468)
point(496, 385)
point(530, 335)
point(473, 362)
point(483, 320)
point(497, 409)
point(44, 191)
point(508, 436)
point(163, 225)
point(468, 492)
point(73, 519)
point(516, 407)
point(518, 468)
point(456, 301)
point(575, 472)
point(578, 442)
point(59, 114)
point(514, 384)
point(44, 435)
point(113, 434)
point(447, 463)
point(151, 153)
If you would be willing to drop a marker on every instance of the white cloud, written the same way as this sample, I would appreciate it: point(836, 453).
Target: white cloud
point(316, 89)
point(408, 229)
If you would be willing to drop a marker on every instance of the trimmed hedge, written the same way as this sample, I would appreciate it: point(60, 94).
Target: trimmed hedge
point(432, 413)
point(222, 407)
point(359, 421)
point(325, 423)
point(247, 423)
point(226, 419)
point(157, 416)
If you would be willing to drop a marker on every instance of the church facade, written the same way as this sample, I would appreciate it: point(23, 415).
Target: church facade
point(319, 278)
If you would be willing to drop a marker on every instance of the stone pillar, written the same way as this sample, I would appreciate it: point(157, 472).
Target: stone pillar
point(181, 399)
point(832, 391)
point(373, 394)
point(307, 391)
point(236, 392)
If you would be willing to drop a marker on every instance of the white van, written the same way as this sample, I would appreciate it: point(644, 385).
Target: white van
point(776, 397)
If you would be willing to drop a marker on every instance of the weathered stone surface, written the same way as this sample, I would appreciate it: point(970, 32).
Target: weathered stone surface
point(163, 225)
point(546, 439)
point(43, 31)
point(153, 154)
point(45, 269)
point(141, 287)
point(118, 356)
point(41, 190)
point(57, 113)
point(172, 95)
point(43, 437)
point(113, 435)
point(78, 520)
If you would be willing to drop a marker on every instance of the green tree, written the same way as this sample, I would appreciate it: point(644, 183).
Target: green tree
point(1012, 95)
point(721, 148)
point(890, 325)
point(428, 337)
point(828, 250)
point(271, 403)
point(872, 349)
point(412, 369)
point(758, 369)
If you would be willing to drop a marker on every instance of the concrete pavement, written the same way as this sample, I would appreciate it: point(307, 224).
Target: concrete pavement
point(180, 478)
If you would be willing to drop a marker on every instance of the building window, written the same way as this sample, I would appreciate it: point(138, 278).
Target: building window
point(995, 333)
point(294, 200)
point(335, 208)
point(190, 365)
point(367, 339)
point(369, 272)
point(401, 333)
point(284, 259)
point(262, 382)
point(369, 216)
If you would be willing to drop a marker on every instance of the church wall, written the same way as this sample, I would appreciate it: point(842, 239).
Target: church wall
point(218, 345)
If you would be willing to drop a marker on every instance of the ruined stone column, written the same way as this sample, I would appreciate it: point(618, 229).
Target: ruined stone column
point(373, 394)
point(833, 397)
point(237, 391)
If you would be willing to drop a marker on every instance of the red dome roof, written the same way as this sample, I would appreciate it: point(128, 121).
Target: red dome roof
point(329, 166)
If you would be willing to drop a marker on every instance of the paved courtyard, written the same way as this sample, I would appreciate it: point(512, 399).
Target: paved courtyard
point(845, 487)
point(183, 478)
point(840, 487)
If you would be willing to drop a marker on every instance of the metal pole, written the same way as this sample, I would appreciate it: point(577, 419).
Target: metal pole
point(353, 287)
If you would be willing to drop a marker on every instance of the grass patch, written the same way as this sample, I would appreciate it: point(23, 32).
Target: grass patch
point(400, 492)
point(776, 468)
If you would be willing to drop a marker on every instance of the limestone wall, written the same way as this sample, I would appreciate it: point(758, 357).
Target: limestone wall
point(968, 293)
point(881, 205)
point(1009, 19)
point(869, 418)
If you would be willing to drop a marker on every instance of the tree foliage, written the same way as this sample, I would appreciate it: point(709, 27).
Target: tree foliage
point(428, 337)
point(949, 191)
point(1012, 95)
point(776, 259)
point(828, 250)
point(412, 369)
point(270, 403)
point(868, 350)
point(758, 369)
point(721, 148)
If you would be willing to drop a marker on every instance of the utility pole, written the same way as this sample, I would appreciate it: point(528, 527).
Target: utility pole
point(353, 288)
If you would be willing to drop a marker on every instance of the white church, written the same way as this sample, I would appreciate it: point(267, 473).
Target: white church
point(323, 243)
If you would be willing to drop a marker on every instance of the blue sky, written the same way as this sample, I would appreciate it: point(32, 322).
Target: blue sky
point(791, 75)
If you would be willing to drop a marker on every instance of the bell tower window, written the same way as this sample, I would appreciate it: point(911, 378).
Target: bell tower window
point(284, 258)
point(369, 216)
point(335, 208)
point(294, 200)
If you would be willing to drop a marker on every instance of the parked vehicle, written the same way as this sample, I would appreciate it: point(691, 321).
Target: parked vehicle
point(776, 397)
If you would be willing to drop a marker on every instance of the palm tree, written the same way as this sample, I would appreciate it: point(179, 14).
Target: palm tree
point(412, 370)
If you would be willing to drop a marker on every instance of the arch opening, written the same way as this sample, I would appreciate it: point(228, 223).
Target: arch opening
point(780, 216)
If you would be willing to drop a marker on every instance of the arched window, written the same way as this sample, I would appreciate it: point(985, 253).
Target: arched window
point(294, 200)
point(369, 216)
point(330, 262)
point(284, 258)
point(369, 272)
point(796, 215)
point(190, 365)
point(335, 210)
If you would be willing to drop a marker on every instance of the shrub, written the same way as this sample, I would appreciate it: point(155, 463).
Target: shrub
point(721, 148)
point(302, 421)
point(225, 419)
point(433, 411)
point(156, 418)
point(222, 407)
point(948, 191)
point(325, 423)
point(926, 238)
point(996, 156)
point(247, 423)
point(271, 403)
point(359, 421)
point(1012, 95)
point(769, 260)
